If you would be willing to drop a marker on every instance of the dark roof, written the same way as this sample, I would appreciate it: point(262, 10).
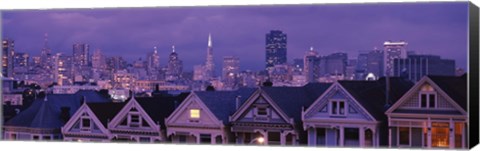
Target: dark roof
point(160, 107)
point(223, 103)
point(46, 113)
point(455, 87)
point(106, 111)
point(292, 99)
point(371, 94)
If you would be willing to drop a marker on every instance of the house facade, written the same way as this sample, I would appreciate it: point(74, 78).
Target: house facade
point(432, 114)
point(271, 115)
point(203, 117)
point(350, 113)
point(44, 118)
point(89, 123)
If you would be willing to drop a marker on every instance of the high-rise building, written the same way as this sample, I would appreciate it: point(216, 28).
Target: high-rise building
point(336, 63)
point(116, 63)
point(153, 60)
point(8, 51)
point(174, 67)
point(230, 70)
point(209, 64)
point(361, 66)
point(45, 55)
point(393, 50)
point(199, 73)
point(21, 60)
point(98, 60)
point(414, 67)
point(62, 72)
point(81, 55)
point(311, 65)
point(375, 63)
point(276, 48)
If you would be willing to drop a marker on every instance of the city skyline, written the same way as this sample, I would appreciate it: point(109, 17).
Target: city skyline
point(437, 29)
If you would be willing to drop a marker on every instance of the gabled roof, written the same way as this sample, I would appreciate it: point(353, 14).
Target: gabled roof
point(292, 99)
point(223, 103)
point(106, 111)
point(160, 107)
point(372, 94)
point(455, 87)
point(45, 113)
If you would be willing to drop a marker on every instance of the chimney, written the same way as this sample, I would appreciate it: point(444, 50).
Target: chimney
point(387, 92)
point(237, 101)
point(65, 114)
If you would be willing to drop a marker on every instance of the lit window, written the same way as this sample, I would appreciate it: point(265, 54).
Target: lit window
point(194, 113)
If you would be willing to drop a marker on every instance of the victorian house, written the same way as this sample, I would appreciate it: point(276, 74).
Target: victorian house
point(351, 113)
point(47, 114)
point(272, 115)
point(142, 119)
point(432, 114)
point(89, 123)
point(203, 117)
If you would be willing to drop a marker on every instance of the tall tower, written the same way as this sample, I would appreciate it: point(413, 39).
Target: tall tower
point(276, 49)
point(209, 65)
point(174, 67)
point(311, 65)
point(81, 54)
point(393, 50)
point(45, 56)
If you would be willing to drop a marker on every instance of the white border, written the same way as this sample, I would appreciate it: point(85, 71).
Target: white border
point(55, 4)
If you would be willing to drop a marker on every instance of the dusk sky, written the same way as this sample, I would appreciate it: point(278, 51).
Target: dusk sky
point(429, 28)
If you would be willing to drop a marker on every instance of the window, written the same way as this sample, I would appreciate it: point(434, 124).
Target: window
point(134, 120)
point(85, 124)
point(13, 136)
point(338, 107)
point(262, 111)
point(194, 113)
point(36, 137)
point(205, 138)
point(182, 139)
point(428, 97)
point(145, 139)
point(404, 136)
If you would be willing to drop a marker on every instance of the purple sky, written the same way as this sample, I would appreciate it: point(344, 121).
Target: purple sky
point(429, 28)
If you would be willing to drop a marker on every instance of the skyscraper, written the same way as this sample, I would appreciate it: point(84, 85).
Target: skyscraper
point(414, 67)
point(276, 49)
point(230, 70)
point(45, 55)
point(62, 72)
point(174, 67)
point(153, 60)
point(98, 60)
point(336, 63)
point(8, 51)
point(209, 65)
point(81, 55)
point(393, 50)
point(311, 65)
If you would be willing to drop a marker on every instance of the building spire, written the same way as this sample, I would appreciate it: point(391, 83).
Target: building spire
point(209, 40)
point(311, 48)
point(173, 48)
point(155, 49)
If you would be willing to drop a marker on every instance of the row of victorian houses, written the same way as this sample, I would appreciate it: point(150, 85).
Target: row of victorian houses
point(389, 112)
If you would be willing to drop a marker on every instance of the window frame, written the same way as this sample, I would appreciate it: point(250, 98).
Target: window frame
point(130, 122)
point(82, 126)
point(194, 119)
point(337, 109)
point(409, 137)
point(427, 103)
